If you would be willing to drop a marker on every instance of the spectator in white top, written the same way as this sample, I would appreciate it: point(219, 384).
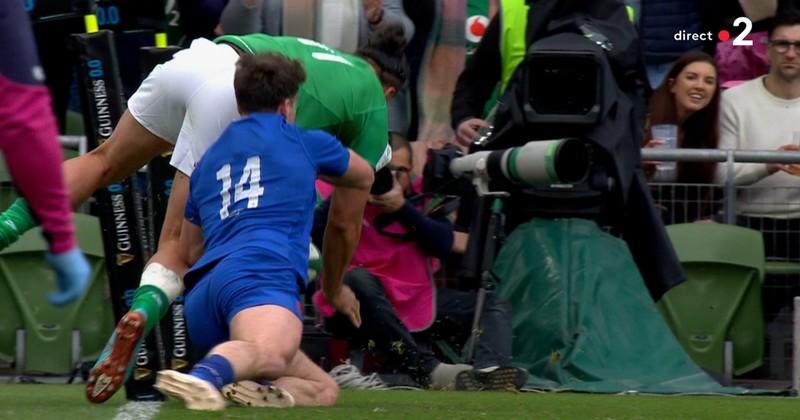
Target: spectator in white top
point(764, 113)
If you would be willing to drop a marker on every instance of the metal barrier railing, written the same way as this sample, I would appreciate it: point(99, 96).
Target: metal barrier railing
point(728, 203)
point(729, 157)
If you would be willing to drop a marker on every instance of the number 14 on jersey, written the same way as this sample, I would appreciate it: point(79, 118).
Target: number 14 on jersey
point(251, 175)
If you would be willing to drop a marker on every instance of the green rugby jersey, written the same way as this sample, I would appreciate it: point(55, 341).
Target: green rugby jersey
point(341, 94)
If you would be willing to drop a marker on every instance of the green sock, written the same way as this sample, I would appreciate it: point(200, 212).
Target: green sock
point(15, 221)
point(152, 302)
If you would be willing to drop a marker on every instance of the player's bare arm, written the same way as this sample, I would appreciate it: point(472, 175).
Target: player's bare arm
point(343, 232)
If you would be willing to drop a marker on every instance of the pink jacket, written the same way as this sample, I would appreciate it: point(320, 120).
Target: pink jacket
point(402, 268)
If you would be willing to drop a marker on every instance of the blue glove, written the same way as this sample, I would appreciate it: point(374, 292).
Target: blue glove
point(72, 275)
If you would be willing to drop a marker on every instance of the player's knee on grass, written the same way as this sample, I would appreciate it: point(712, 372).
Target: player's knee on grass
point(326, 397)
point(328, 392)
point(311, 386)
point(325, 387)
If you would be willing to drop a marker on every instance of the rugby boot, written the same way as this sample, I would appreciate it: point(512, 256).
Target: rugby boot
point(500, 379)
point(196, 393)
point(254, 394)
point(115, 363)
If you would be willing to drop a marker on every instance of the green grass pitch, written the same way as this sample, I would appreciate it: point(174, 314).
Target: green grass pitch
point(66, 402)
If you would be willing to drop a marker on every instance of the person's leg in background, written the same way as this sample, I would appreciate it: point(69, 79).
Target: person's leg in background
point(29, 143)
point(381, 326)
point(493, 355)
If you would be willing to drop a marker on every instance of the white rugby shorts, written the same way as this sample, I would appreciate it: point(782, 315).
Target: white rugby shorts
point(189, 100)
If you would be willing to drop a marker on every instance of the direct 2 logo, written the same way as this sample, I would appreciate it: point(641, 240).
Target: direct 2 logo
point(723, 35)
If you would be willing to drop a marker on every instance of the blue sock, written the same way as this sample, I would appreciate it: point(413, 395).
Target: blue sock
point(215, 369)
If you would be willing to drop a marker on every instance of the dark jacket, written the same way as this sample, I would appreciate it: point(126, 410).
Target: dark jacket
point(433, 233)
point(661, 20)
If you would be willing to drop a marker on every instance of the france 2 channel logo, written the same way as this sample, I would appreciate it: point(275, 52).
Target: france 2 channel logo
point(722, 36)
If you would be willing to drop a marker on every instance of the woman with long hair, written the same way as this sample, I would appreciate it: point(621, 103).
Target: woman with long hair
point(688, 98)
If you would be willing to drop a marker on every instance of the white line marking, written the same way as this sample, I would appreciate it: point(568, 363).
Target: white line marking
point(138, 410)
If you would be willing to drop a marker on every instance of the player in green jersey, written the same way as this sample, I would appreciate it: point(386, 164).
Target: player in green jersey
point(346, 100)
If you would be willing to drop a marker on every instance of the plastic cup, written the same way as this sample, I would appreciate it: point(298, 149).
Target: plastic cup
point(668, 135)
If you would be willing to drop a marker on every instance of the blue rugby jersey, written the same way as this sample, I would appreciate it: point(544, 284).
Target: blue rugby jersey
point(255, 188)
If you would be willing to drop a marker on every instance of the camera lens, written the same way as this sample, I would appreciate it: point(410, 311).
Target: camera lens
point(383, 182)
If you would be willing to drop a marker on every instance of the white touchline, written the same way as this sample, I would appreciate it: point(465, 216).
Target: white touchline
point(138, 410)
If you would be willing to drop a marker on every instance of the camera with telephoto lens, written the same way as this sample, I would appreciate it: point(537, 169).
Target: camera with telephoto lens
point(557, 126)
point(566, 134)
point(544, 162)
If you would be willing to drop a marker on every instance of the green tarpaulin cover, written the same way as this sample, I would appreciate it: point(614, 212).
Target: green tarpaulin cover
point(583, 319)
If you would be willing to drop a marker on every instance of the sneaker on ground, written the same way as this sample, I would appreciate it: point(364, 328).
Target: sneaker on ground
point(195, 392)
point(444, 375)
point(347, 376)
point(254, 394)
point(500, 379)
point(114, 365)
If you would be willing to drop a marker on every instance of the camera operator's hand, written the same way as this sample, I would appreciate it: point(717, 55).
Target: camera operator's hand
point(467, 131)
point(391, 201)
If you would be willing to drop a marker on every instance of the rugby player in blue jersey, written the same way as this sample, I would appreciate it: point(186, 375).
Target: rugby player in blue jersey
point(248, 219)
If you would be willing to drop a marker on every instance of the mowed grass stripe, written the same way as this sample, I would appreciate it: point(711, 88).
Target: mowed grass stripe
point(64, 402)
